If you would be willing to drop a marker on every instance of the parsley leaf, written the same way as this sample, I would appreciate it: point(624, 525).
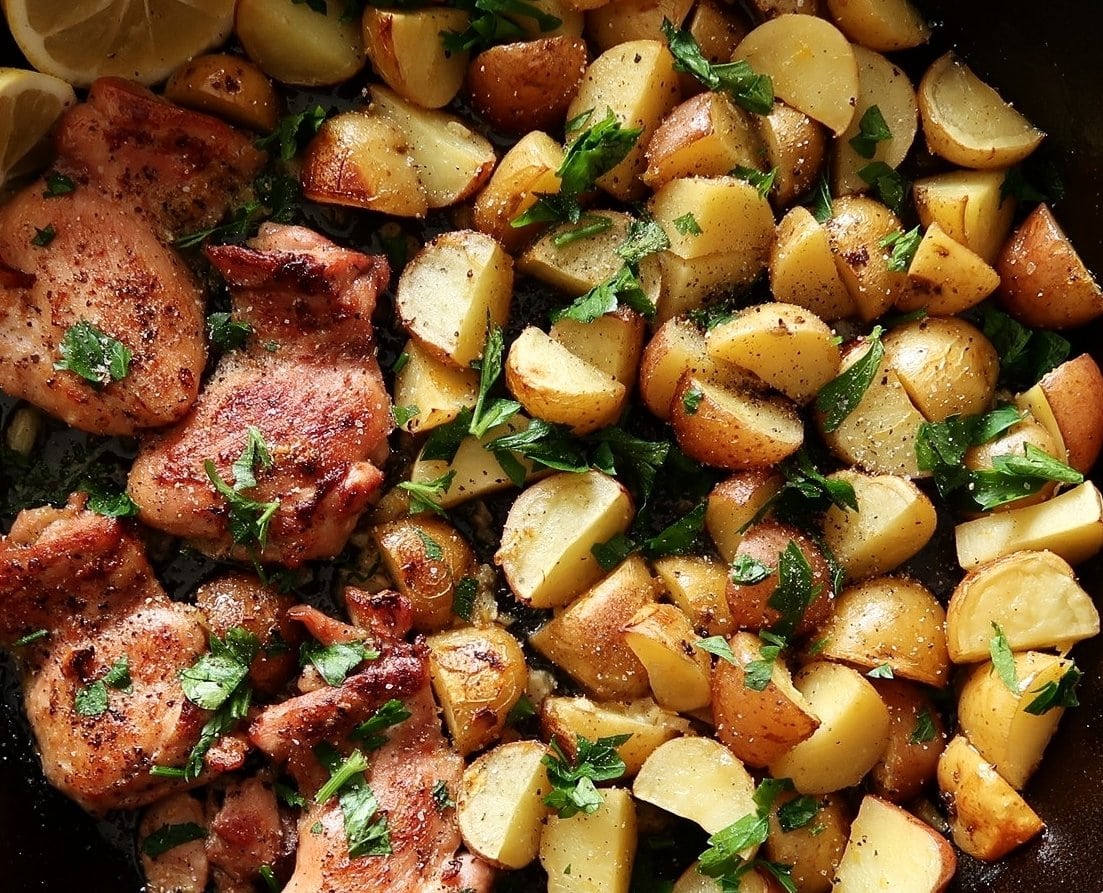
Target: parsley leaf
point(108, 502)
point(797, 813)
point(645, 237)
point(403, 414)
point(717, 645)
point(365, 829)
point(92, 354)
point(762, 181)
point(1056, 694)
point(588, 225)
point(254, 452)
point(292, 132)
point(752, 91)
point(388, 714)
point(489, 415)
point(691, 400)
point(924, 730)
point(872, 129)
point(903, 245)
point(572, 781)
point(211, 680)
point(794, 592)
point(441, 795)
point(613, 551)
point(889, 185)
point(92, 700)
point(44, 236)
point(249, 519)
point(1003, 661)
point(806, 490)
point(687, 225)
point(168, 837)
point(1025, 355)
point(463, 597)
point(58, 184)
point(679, 537)
point(838, 398)
point(492, 22)
point(748, 571)
point(1036, 181)
point(30, 638)
point(758, 673)
point(425, 495)
point(226, 333)
point(622, 287)
point(821, 200)
point(335, 662)
point(881, 671)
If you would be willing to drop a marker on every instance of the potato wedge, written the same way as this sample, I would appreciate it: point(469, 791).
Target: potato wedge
point(966, 122)
point(789, 348)
point(677, 346)
point(612, 343)
point(706, 136)
point(988, 817)
point(697, 779)
point(1074, 394)
point(916, 738)
point(813, 851)
point(758, 725)
point(612, 24)
point(946, 277)
point(852, 735)
point(879, 435)
point(731, 215)
point(405, 50)
point(880, 24)
point(437, 390)
point(855, 230)
point(525, 86)
point(733, 427)
point(811, 63)
point(361, 160)
point(689, 283)
point(546, 541)
point(1032, 595)
point(637, 82)
point(996, 720)
point(692, 881)
point(880, 84)
point(576, 267)
point(697, 585)
point(586, 853)
point(425, 557)
point(586, 639)
point(564, 719)
point(890, 849)
point(803, 270)
point(663, 639)
point(946, 366)
point(451, 159)
point(734, 503)
point(524, 172)
point(476, 274)
point(1043, 281)
point(894, 521)
point(890, 621)
point(555, 385)
point(296, 45)
point(795, 146)
point(500, 805)
point(969, 206)
point(477, 675)
point(1070, 524)
point(229, 87)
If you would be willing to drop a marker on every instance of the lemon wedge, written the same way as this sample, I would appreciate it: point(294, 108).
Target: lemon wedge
point(30, 103)
point(81, 40)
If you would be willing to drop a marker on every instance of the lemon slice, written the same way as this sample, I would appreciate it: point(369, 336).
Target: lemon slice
point(29, 104)
point(81, 40)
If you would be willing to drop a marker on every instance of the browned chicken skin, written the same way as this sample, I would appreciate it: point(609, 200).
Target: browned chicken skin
point(308, 379)
point(85, 579)
point(143, 171)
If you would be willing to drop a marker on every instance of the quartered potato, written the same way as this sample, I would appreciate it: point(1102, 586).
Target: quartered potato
point(917, 736)
point(855, 230)
point(611, 343)
point(969, 206)
point(591, 852)
point(880, 24)
point(228, 86)
point(621, 21)
point(803, 269)
point(436, 389)
point(295, 44)
point(946, 277)
point(795, 147)
point(406, 52)
point(1073, 395)
point(661, 636)
point(814, 849)
point(526, 171)
point(697, 585)
point(737, 501)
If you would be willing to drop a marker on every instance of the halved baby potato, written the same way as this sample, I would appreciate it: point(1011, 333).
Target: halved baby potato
point(856, 228)
point(967, 122)
point(890, 621)
point(577, 266)
point(229, 87)
point(731, 217)
point(612, 342)
point(476, 275)
point(611, 24)
point(916, 738)
point(436, 389)
point(803, 270)
point(406, 51)
point(526, 171)
point(1073, 393)
point(661, 636)
point(880, 24)
point(591, 852)
point(811, 63)
point(737, 501)
point(813, 850)
point(1032, 595)
point(946, 277)
point(296, 45)
point(788, 347)
point(697, 586)
point(549, 532)
point(969, 206)
point(795, 146)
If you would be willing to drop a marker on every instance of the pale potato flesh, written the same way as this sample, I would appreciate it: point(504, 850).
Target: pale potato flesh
point(697, 585)
point(405, 50)
point(946, 277)
point(598, 849)
point(611, 343)
point(1032, 595)
point(662, 638)
point(296, 45)
point(803, 270)
point(527, 170)
point(438, 390)
point(734, 503)
point(969, 206)
point(880, 24)
point(1073, 393)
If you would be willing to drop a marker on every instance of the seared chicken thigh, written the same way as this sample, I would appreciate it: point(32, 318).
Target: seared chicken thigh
point(307, 381)
point(84, 580)
point(85, 245)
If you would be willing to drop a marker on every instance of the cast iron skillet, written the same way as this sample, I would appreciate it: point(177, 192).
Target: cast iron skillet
point(1048, 59)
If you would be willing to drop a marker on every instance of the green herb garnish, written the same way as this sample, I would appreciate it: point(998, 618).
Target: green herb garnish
point(748, 89)
point(573, 790)
point(839, 397)
point(92, 354)
point(872, 129)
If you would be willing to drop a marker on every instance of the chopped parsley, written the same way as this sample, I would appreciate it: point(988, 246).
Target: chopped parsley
point(821, 201)
point(57, 185)
point(1003, 661)
point(403, 414)
point(748, 89)
point(758, 673)
point(487, 413)
point(872, 129)
point(168, 837)
point(903, 246)
point(888, 184)
point(588, 225)
point(425, 496)
point(248, 519)
point(687, 225)
point(1025, 355)
point(1061, 693)
point(691, 400)
point(106, 501)
point(645, 237)
point(623, 287)
point(370, 732)
point(226, 333)
point(92, 354)
point(463, 597)
point(365, 827)
point(492, 22)
point(881, 671)
point(794, 592)
point(839, 397)
point(292, 133)
point(44, 236)
point(573, 789)
point(92, 700)
point(763, 181)
point(335, 662)
point(797, 813)
point(748, 571)
point(924, 730)
point(441, 795)
point(719, 646)
point(30, 638)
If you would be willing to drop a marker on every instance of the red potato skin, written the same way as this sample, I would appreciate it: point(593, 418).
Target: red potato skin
point(1043, 281)
point(765, 542)
point(1074, 391)
point(518, 87)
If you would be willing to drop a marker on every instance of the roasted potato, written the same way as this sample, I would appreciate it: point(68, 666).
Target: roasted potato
point(432, 391)
point(297, 45)
point(527, 170)
point(661, 636)
point(1073, 392)
point(916, 738)
point(591, 852)
point(405, 50)
point(969, 206)
point(611, 343)
point(813, 851)
point(945, 276)
point(795, 146)
point(229, 87)
point(697, 585)
point(734, 503)
point(855, 230)
point(184, 868)
point(803, 269)
point(615, 23)
point(880, 24)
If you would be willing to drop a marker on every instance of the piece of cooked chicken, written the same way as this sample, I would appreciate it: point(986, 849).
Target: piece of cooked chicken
point(85, 246)
point(423, 834)
point(84, 580)
point(307, 381)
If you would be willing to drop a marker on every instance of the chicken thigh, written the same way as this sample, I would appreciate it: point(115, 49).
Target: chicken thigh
point(307, 384)
point(85, 246)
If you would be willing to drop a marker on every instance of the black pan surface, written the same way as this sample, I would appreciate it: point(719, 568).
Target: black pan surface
point(1048, 59)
